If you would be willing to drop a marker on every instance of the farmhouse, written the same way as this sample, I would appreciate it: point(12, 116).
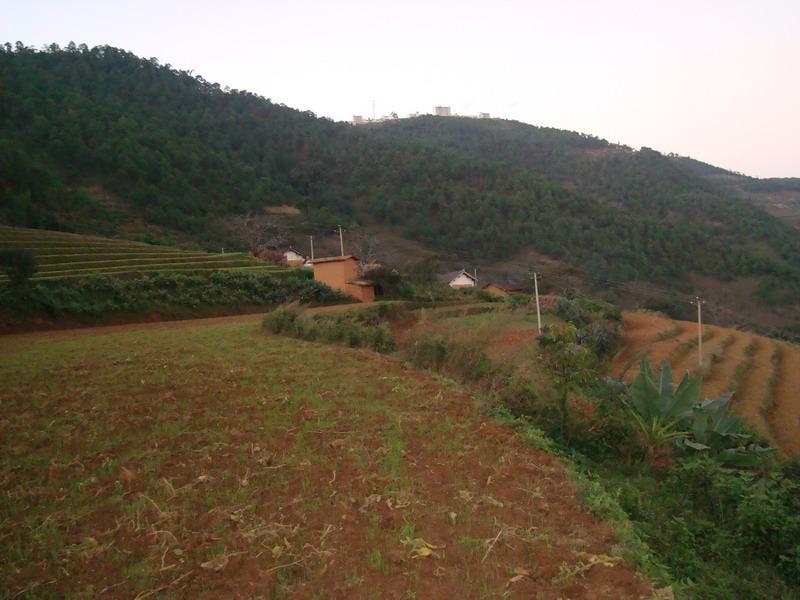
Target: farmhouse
point(341, 273)
point(504, 288)
point(459, 279)
point(293, 258)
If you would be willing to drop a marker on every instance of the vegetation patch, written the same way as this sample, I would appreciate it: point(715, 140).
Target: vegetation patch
point(357, 328)
point(98, 296)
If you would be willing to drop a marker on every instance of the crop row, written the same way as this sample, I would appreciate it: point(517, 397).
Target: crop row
point(226, 259)
point(160, 269)
point(54, 259)
point(112, 268)
point(39, 246)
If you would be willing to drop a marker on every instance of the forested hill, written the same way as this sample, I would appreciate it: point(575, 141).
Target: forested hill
point(93, 138)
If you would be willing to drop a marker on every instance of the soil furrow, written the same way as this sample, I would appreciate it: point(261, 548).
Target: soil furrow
point(686, 361)
point(754, 387)
point(721, 374)
point(641, 335)
point(785, 414)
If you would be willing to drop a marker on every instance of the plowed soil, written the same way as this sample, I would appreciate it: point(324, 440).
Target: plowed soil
point(210, 459)
point(753, 388)
point(783, 425)
point(721, 376)
point(786, 415)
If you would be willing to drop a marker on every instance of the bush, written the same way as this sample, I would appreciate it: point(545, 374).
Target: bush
point(761, 513)
point(582, 311)
point(517, 301)
point(429, 352)
point(340, 329)
point(602, 338)
point(18, 265)
point(390, 284)
point(98, 295)
point(520, 396)
point(280, 320)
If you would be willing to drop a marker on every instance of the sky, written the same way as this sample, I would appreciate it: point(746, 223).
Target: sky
point(715, 80)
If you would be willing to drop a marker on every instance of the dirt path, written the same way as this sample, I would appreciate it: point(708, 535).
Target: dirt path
point(785, 418)
point(207, 458)
point(721, 376)
point(753, 387)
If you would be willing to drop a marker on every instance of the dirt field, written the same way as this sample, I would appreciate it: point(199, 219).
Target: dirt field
point(207, 458)
point(766, 392)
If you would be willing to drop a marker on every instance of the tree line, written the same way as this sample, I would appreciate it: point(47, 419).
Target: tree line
point(93, 138)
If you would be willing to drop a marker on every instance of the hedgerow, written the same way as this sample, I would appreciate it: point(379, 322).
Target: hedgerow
point(99, 295)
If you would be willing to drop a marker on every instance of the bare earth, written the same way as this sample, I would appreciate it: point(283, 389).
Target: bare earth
point(208, 458)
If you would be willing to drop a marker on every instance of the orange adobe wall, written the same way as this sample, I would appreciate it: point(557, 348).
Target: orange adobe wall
point(341, 273)
point(361, 291)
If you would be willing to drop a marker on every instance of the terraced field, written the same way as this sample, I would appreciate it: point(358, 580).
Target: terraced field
point(763, 374)
point(207, 459)
point(63, 255)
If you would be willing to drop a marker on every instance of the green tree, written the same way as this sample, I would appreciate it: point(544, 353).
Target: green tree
point(570, 365)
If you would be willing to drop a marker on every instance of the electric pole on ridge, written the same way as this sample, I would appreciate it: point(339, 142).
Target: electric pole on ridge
point(311, 241)
point(699, 302)
point(535, 277)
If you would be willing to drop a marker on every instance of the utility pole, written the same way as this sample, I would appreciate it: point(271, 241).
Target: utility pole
point(699, 302)
point(341, 240)
point(311, 240)
point(535, 276)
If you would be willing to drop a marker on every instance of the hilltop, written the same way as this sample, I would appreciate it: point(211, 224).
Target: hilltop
point(102, 141)
point(779, 196)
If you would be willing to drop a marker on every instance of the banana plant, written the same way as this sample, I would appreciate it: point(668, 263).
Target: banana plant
point(658, 409)
point(666, 415)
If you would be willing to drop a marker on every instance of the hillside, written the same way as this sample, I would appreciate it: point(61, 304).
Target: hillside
point(207, 459)
point(779, 196)
point(95, 140)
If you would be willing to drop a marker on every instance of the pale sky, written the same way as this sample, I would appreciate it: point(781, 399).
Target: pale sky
point(716, 80)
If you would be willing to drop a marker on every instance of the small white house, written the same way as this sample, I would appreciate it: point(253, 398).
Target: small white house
point(460, 279)
point(293, 258)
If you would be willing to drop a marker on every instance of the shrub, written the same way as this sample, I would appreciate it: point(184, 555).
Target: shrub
point(520, 396)
point(18, 265)
point(280, 320)
point(429, 352)
point(340, 329)
point(97, 295)
point(468, 361)
point(517, 301)
point(390, 284)
point(582, 311)
point(602, 338)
